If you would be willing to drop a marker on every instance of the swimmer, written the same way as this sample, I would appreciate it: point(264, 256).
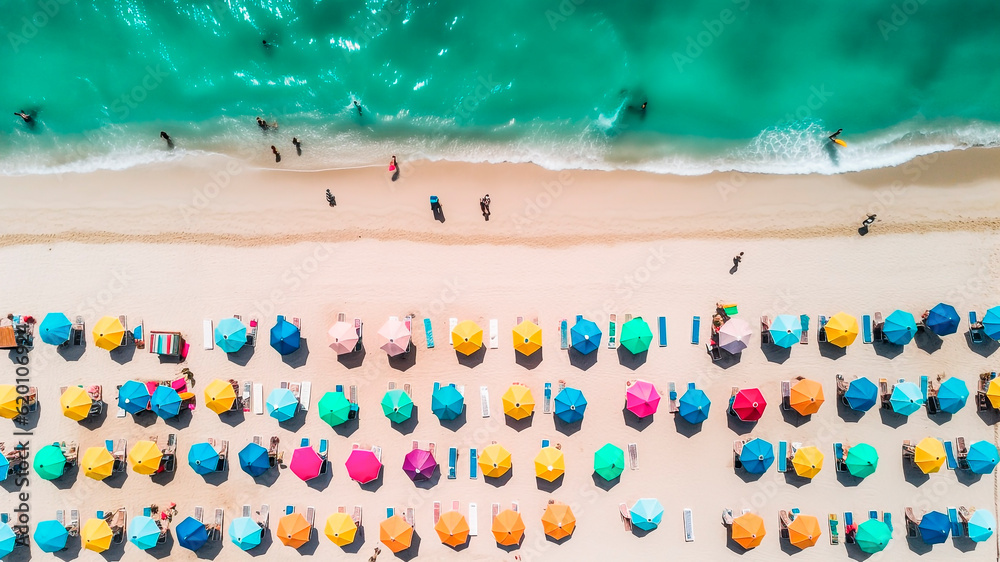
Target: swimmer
point(262, 124)
point(24, 116)
point(357, 106)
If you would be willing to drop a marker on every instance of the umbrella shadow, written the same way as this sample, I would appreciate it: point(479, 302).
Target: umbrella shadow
point(939, 418)
point(165, 477)
point(414, 550)
point(913, 475)
point(848, 414)
point(847, 480)
point(322, 481)
point(116, 480)
point(473, 360)
point(499, 480)
point(892, 419)
point(66, 481)
point(511, 547)
point(528, 361)
point(71, 353)
point(407, 426)
point(162, 550)
point(746, 476)
point(964, 544)
point(549, 487)
point(728, 360)
point(296, 422)
point(603, 484)
point(558, 541)
point(457, 423)
point(268, 478)
point(793, 479)
point(266, 540)
point(347, 428)
point(310, 547)
point(733, 545)
point(71, 552)
point(181, 420)
point(792, 417)
point(927, 340)
point(887, 350)
point(985, 349)
point(739, 426)
point(216, 478)
point(233, 418)
point(359, 542)
point(242, 356)
point(686, 429)
point(634, 421)
point(374, 485)
point(95, 422)
point(631, 360)
point(429, 483)
point(854, 552)
point(354, 359)
point(567, 428)
point(144, 418)
point(521, 424)
point(775, 353)
point(298, 357)
point(582, 361)
point(830, 351)
point(989, 416)
point(967, 477)
point(637, 532)
point(404, 361)
point(917, 545)
point(123, 354)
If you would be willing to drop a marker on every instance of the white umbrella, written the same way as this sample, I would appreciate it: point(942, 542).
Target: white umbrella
point(394, 337)
point(734, 336)
point(343, 338)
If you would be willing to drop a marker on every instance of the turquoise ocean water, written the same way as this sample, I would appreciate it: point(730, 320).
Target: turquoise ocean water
point(730, 84)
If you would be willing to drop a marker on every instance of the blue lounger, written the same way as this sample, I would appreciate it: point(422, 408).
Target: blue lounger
point(695, 330)
point(662, 321)
point(866, 326)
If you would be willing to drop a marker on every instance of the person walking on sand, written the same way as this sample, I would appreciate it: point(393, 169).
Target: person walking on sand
point(484, 206)
point(737, 259)
point(868, 222)
point(277, 155)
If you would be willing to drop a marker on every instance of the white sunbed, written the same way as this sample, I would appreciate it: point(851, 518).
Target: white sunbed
point(209, 335)
point(306, 395)
point(258, 399)
point(494, 335)
point(473, 520)
point(484, 396)
point(452, 322)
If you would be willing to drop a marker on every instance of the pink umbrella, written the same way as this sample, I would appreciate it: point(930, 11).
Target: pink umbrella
point(343, 337)
point(363, 466)
point(642, 399)
point(419, 464)
point(394, 337)
point(306, 463)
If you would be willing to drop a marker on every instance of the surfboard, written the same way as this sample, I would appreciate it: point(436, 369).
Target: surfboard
point(840, 142)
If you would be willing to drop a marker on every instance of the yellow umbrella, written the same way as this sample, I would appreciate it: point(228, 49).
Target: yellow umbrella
point(76, 403)
point(97, 463)
point(96, 535)
point(518, 402)
point(109, 333)
point(550, 464)
point(340, 529)
point(748, 530)
point(804, 531)
point(808, 461)
point(806, 396)
point(993, 393)
point(467, 337)
point(452, 529)
point(558, 521)
point(527, 337)
point(841, 329)
point(929, 455)
point(10, 403)
point(219, 396)
point(145, 457)
point(494, 461)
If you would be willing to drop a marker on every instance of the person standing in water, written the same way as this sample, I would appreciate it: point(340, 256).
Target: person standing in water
point(277, 155)
point(298, 146)
point(358, 107)
point(262, 124)
point(166, 137)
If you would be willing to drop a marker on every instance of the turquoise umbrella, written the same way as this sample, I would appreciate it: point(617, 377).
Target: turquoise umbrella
point(786, 330)
point(143, 532)
point(586, 336)
point(570, 405)
point(899, 327)
point(50, 535)
point(4, 468)
point(285, 337)
point(982, 457)
point(397, 405)
point(165, 402)
point(872, 536)
point(55, 328)
point(943, 319)
point(334, 408)
point(636, 335)
point(757, 456)
point(952, 395)
point(981, 525)
point(245, 532)
point(203, 458)
point(862, 460)
point(694, 405)
point(447, 402)
point(861, 395)
point(282, 404)
point(991, 323)
point(906, 398)
point(230, 335)
point(646, 514)
point(609, 462)
point(8, 539)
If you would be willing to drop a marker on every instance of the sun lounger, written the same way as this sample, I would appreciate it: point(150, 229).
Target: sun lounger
point(885, 394)
point(494, 334)
point(765, 327)
point(258, 399)
point(783, 522)
point(484, 400)
point(887, 519)
point(74, 522)
point(923, 386)
point(119, 455)
point(612, 333)
point(208, 334)
point(264, 516)
point(473, 519)
point(952, 463)
point(957, 528)
point(495, 510)
point(306, 395)
point(962, 453)
point(220, 522)
point(357, 516)
point(849, 528)
point(834, 533)
point(782, 456)
point(311, 519)
point(908, 449)
point(223, 455)
point(428, 333)
point(838, 456)
point(866, 329)
point(872, 514)
point(786, 394)
point(547, 399)
point(289, 509)
point(821, 330)
point(626, 517)
point(633, 456)
point(688, 525)
point(672, 405)
point(437, 512)
point(732, 398)
point(452, 322)
point(79, 329)
point(877, 324)
point(245, 513)
point(545, 443)
point(696, 330)
point(199, 513)
point(563, 336)
point(452, 462)
point(975, 329)
point(473, 463)
point(805, 329)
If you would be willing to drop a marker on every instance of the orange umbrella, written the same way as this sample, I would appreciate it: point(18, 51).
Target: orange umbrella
point(806, 396)
point(294, 530)
point(558, 521)
point(508, 528)
point(395, 533)
point(804, 531)
point(452, 528)
point(748, 530)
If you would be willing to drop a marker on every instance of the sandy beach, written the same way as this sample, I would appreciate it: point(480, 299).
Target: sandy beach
point(211, 237)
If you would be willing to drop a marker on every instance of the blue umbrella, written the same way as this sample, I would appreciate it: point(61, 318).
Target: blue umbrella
point(282, 404)
point(570, 405)
point(285, 336)
point(786, 330)
point(50, 535)
point(55, 328)
point(165, 402)
point(447, 402)
point(586, 336)
point(230, 335)
point(982, 457)
point(4, 468)
point(143, 532)
point(861, 395)
point(245, 532)
point(981, 525)
point(694, 405)
point(8, 539)
point(906, 398)
point(991, 323)
point(952, 395)
point(191, 533)
point(133, 397)
point(203, 458)
point(646, 514)
point(899, 327)
point(757, 456)
point(934, 527)
point(942, 319)
point(254, 460)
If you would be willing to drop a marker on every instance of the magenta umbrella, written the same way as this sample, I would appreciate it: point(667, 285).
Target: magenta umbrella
point(419, 464)
point(642, 399)
point(394, 337)
point(306, 463)
point(363, 466)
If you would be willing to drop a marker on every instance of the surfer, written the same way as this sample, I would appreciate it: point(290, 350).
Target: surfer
point(834, 136)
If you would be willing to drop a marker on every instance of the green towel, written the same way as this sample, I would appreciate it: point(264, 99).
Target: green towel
point(731, 310)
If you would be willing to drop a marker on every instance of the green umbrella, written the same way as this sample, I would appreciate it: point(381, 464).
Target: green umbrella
point(50, 462)
point(609, 461)
point(873, 536)
point(334, 408)
point(397, 405)
point(862, 460)
point(636, 335)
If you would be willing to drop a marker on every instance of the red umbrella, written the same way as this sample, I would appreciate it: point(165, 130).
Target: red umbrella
point(306, 463)
point(363, 465)
point(749, 404)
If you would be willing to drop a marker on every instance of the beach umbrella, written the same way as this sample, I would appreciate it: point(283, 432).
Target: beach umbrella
point(363, 466)
point(981, 525)
point(109, 334)
point(841, 329)
point(165, 402)
point(8, 539)
point(570, 405)
point(804, 531)
point(395, 533)
point(748, 530)
point(50, 535)
point(230, 335)
point(943, 319)
point(862, 460)
point(96, 535)
point(50, 462)
point(97, 463)
point(494, 461)
point(145, 457)
point(934, 527)
point(861, 395)
point(952, 395)
point(550, 464)
point(872, 536)
point(75, 403)
point(992, 393)
point(4, 468)
point(340, 529)
point(586, 336)
point(899, 327)
point(203, 458)
point(734, 335)
point(749, 404)
point(636, 335)
point(285, 337)
point(991, 323)
point(929, 455)
point(786, 330)
point(452, 528)
point(806, 396)
point(694, 405)
point(558, 521)
point(191, 533)
point(10, 401)
point(397, 405)
point(641, 398)
point(245, 533)
point(508, 528)
point(294, 530)
point(282, 404)
point(254, 459)
point(467, 337)
point(807, 461)
point(906, 398)
point(609, 462)
point(55, 328)
point(419, 464)
point(757, 456)
point(143, 532)
point(133, 397)
point(447, 402)
point(646, 514)
point(343, 337)
point(394, 337)
point(518, 403)
point(527, 338)
point(334, 408)
point(982, 457)
point(306, 463)
point(219, 396)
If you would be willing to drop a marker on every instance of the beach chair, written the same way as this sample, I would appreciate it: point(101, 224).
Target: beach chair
point(866, 329)
point(662, 324)
point(494, 510)
point(805, 329)
point(732, 399)
point(246, 511)
point(727, 516)
point(626, 517)
point(786, 395)
point(264, 516)
point(547, 399)
point(289, 509)
point(74, 523)
point(306, 395)
point(957, 528)
point(119, 455)
point(79, 329)
point(484, 400)
point(408, 390)
point(950, 453)
point(258, 399)
point(783, 522)
point(765, 330)
point(473, 519)
point(714, 351)
point(359, 328)
point(912, 523)
point(872, 514)
point(838, 455)
point(473, 463)
point(223, 455)
point(437, 512)
point(885, 394)
point(220, 522)
point(410, 517)
point(923, 387)
point(208, 334)
point(782, 456)
point(887, 519)
point(494, 334)
point(696, 330)
point(563, 335)
point(545, 443)
point(612, 333)
point(357, 516)
point(908, 450)
point(849, 528)
point(821, 330)
point(688, 525)
point(429, 333)
point(737, 450)
point(452, 462)
point(272, 451)
point(311, 519)
point(962, 453)
point(324, 446)
point(834, 532)
point(672, 406)
point(633, 456)
point(877, 324)
point(975, 329)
